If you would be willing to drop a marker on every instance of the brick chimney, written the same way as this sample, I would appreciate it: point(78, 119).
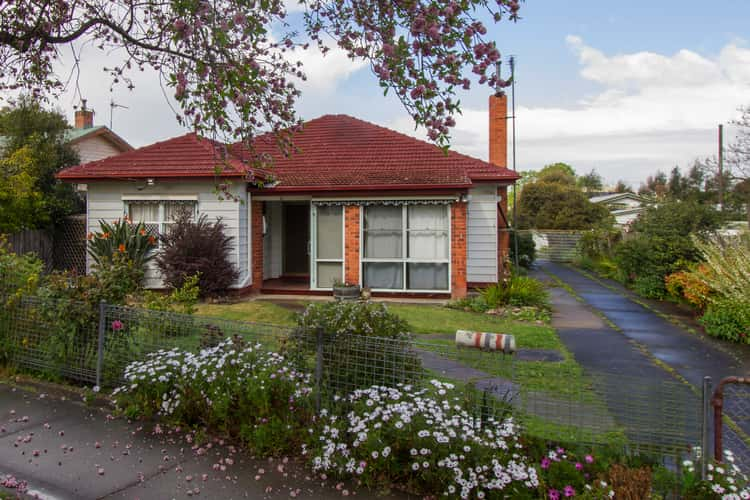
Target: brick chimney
point(84, 116)
point(499, 129)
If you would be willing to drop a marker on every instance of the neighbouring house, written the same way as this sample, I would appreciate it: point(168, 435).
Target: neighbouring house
point(356, 202)
point(625, 207)
point(94, 142)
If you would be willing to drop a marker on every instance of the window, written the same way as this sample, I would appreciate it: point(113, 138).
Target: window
point(406, 247)
point(158, 215)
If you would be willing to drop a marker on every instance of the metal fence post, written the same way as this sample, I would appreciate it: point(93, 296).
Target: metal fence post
point(706, 427)
point(100, 343)
point(318, 368)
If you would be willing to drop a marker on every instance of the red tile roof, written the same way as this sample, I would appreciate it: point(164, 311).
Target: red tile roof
point(334, 152)
point(185, 156)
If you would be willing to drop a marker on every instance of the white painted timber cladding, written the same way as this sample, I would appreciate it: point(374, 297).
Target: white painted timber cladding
point(481, 231)
point(95, 148)
point(105, 201)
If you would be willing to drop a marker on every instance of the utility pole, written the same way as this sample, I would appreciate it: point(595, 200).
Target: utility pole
point(721, 167)
point(513, 123)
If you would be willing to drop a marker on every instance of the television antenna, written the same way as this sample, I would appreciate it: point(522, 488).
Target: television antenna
point(112, 106)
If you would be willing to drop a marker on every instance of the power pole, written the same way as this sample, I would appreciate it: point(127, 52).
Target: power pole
point(721, 167)
point(513, 122)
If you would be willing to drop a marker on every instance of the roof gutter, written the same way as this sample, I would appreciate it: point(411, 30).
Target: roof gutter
point(358, 188)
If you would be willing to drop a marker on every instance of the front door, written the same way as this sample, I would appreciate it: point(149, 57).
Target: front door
point(296, 239)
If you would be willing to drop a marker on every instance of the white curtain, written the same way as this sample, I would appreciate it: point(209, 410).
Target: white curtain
point(173, 208)
point(384, 275)
point(428, 232)
point(383, 232)
point(144, 212)
point(424, 276)
point(330, 244)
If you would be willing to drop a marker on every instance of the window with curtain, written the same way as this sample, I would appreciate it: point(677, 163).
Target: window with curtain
point(158, 215)
point(329, 249)
point(406, 247)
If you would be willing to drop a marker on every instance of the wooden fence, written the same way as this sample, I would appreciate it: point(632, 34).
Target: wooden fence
point(61, 248)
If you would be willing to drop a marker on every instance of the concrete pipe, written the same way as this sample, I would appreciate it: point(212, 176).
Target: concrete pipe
point(486, 341)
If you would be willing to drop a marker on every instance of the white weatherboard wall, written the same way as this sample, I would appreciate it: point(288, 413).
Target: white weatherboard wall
point(105, 201)
point(481, 231)
point(95, 148)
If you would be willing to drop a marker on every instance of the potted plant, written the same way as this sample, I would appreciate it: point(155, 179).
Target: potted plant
point(343, 290)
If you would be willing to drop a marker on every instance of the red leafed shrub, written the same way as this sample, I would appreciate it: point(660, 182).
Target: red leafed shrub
point(191, 247)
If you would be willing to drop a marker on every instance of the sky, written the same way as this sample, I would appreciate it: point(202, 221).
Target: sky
point(625, 88)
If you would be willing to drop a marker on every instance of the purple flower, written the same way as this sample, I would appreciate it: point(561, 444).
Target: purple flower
point(553, 494)
point(569, 491)
point(579, 466)
point(589, 459)
point(117, 325)
point(546, 463)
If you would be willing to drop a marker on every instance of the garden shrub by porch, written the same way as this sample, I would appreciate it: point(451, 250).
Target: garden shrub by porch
point(518, 291)
point(191, 247)
point(526, 249)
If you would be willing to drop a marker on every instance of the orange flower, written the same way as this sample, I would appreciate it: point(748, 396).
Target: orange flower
point(105, 235)
point(152, 240)
point(142, 232)
point(121, 248)
point(90, 236)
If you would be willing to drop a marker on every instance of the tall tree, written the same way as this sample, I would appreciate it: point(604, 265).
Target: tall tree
point(591, 182)
point(738, 159)
point(231, 63)
point(34, 149)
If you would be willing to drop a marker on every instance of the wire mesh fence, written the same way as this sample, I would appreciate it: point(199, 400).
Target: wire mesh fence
point(659, 417)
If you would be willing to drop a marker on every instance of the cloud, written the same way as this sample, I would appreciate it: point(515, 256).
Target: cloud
point(652, 111)
point(324, 72)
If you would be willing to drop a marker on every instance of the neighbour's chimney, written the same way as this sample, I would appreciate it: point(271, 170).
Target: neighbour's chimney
point(84, 116)
point(499, 129)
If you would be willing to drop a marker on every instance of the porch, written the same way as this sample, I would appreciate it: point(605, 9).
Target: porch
point(396, 247)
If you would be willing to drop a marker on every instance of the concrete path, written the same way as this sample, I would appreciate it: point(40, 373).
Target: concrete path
point(65, 450)
point(609, 333)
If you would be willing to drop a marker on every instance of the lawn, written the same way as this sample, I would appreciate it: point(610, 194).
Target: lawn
point(562, 381)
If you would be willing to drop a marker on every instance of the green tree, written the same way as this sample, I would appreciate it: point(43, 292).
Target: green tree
point(591, 182)
point(557, 172)
point(622, 187)
point(34, 149)
point(558, 205)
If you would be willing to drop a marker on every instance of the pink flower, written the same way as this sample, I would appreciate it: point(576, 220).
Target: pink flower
point(579, 466)
point(546, 463)
point(553, 494)
point(589, 459)
point(117, 325)
point(569, 491)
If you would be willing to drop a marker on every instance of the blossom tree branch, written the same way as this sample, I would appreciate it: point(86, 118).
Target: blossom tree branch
point(233, 74)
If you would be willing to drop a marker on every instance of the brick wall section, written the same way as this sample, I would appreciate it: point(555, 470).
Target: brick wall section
point(499, 130)
point(458, 250)
point(351, 243)
point(503, 237)
point(256, 234)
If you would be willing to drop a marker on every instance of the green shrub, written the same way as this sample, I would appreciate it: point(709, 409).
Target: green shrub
point(347, 330)
point(728, 319)
point(526, 249)
point(650, 286)
point(180, 300)
point(662, 243)
point(19, 274)
point(197, 247)
point(235, 389)
point(517, 291)
point(122, 237)
point(725, 270)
